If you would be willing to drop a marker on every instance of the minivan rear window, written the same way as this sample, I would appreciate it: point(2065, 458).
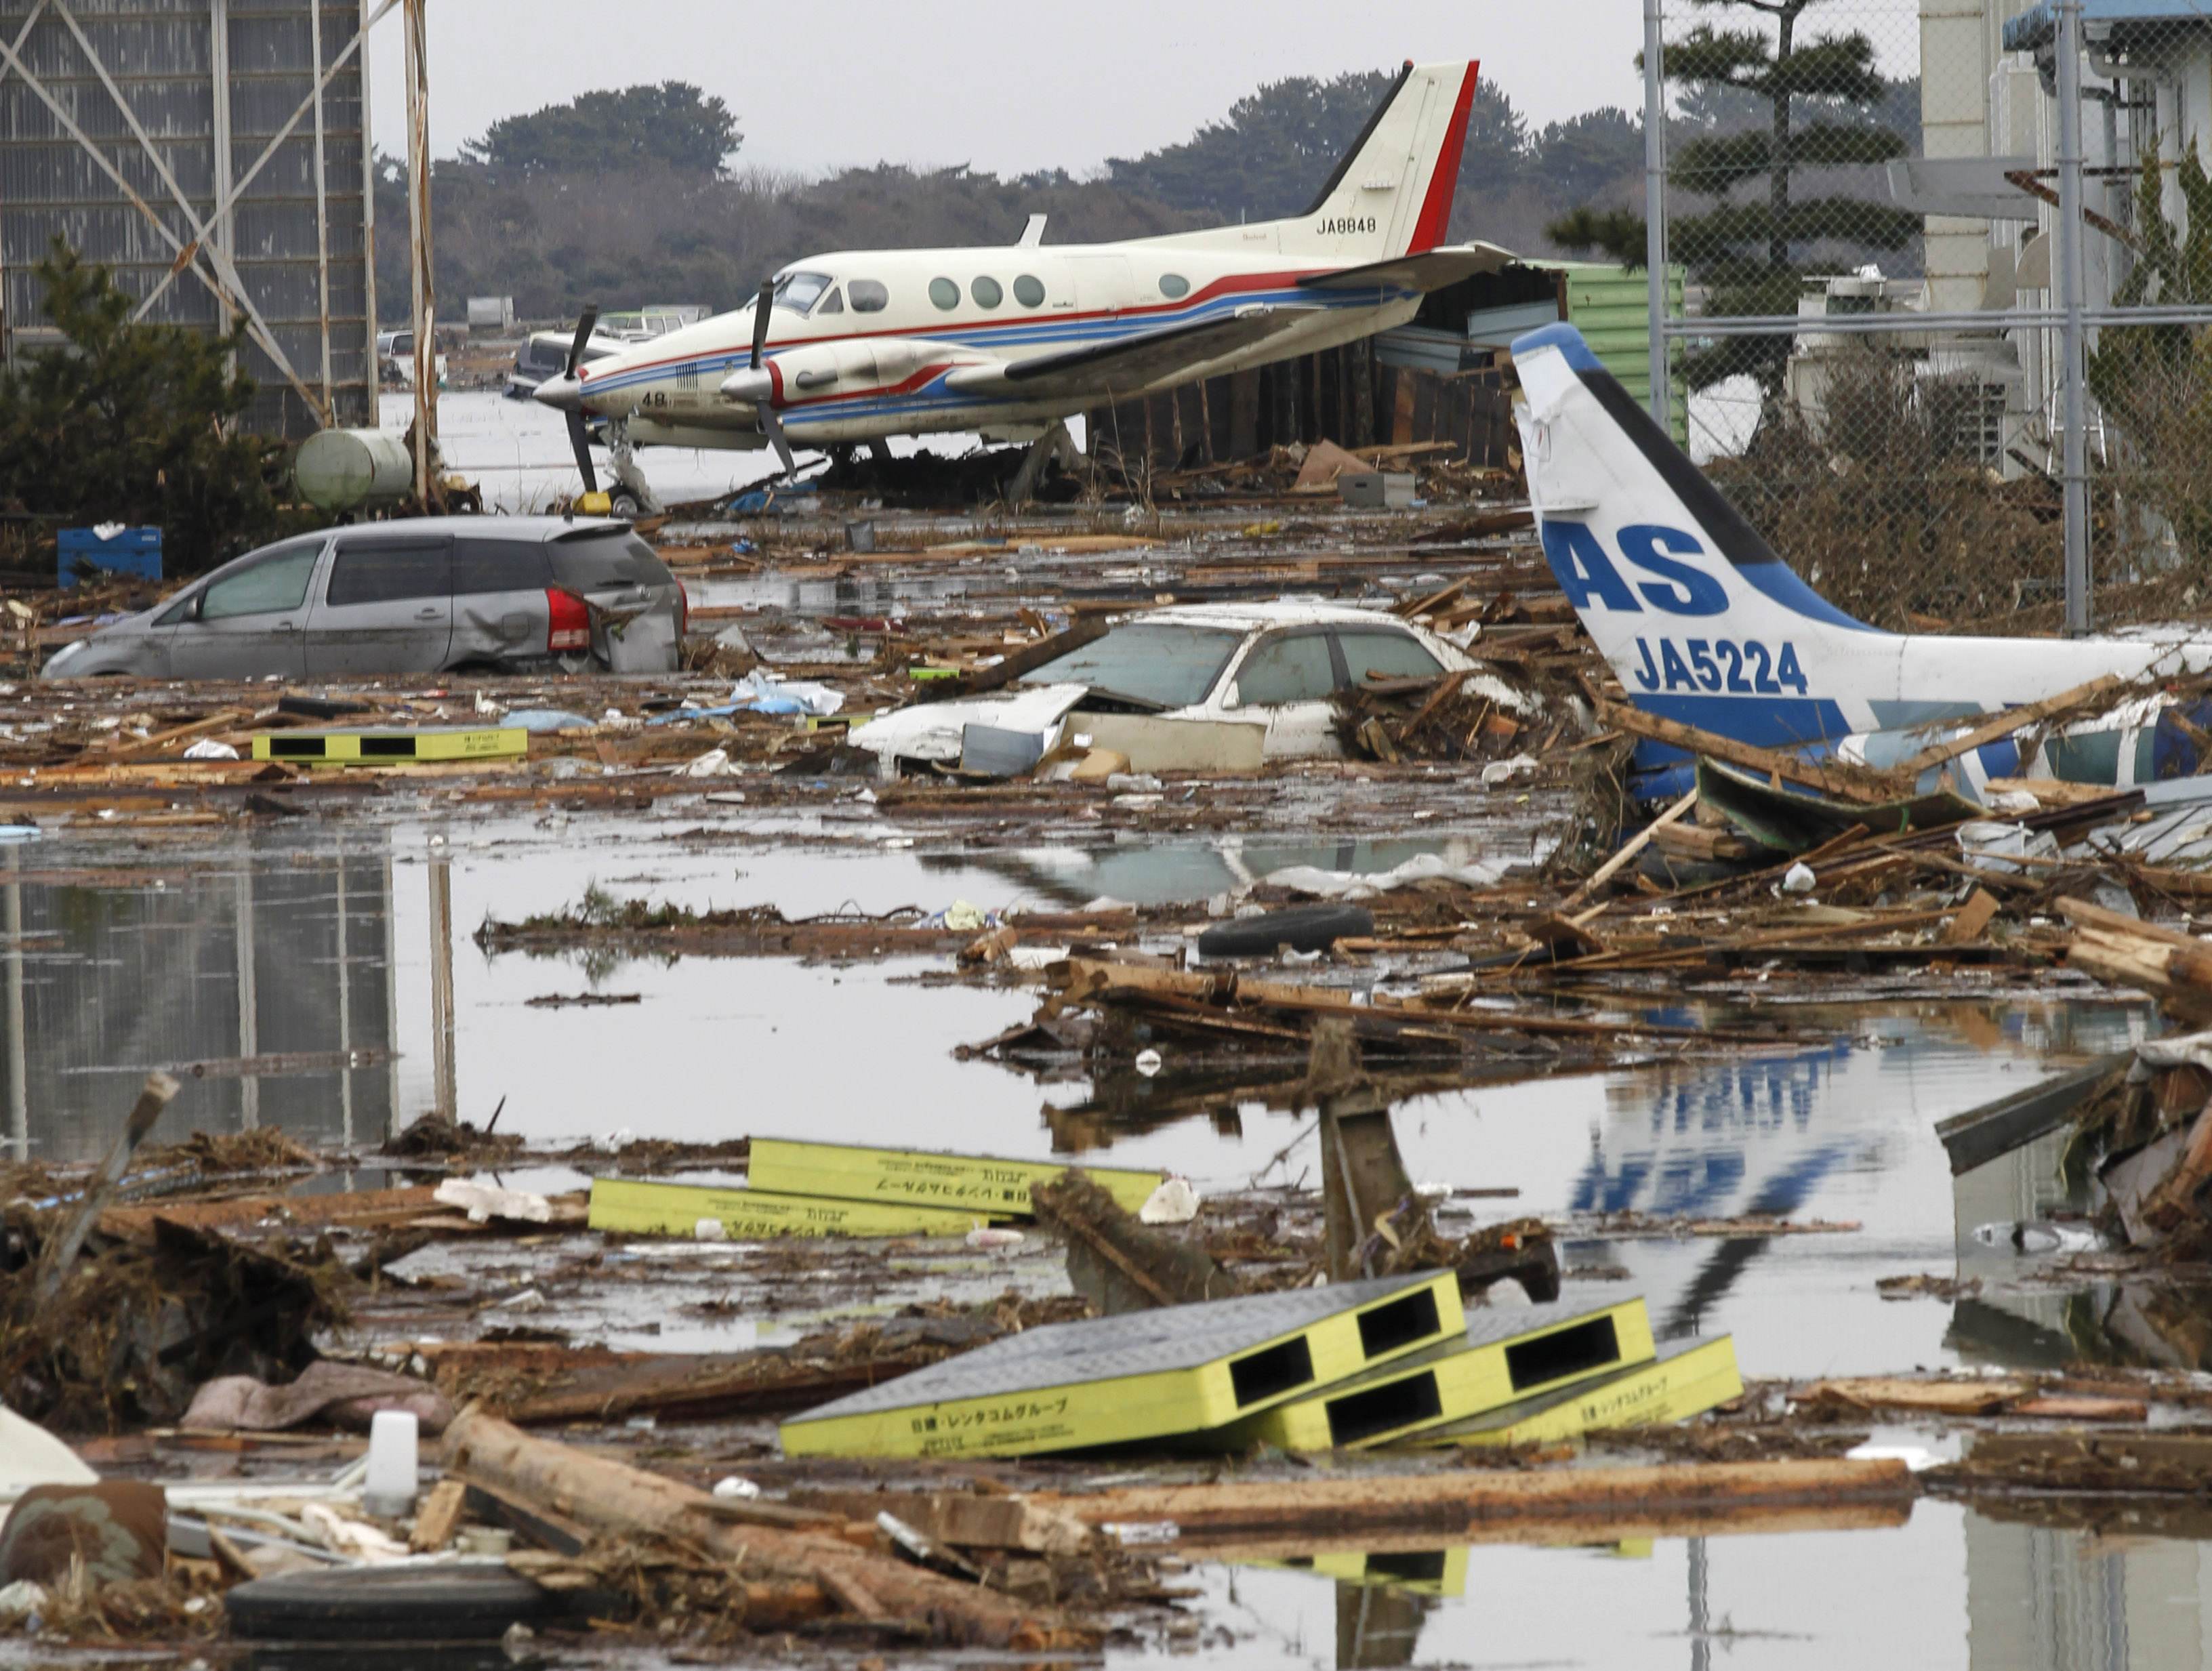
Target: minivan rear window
point(597, 559)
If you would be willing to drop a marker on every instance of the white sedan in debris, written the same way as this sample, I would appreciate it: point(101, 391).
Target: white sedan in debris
point(1277, 664)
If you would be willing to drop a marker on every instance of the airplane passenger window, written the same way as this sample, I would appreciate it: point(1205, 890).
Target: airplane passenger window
point(945, 293)
point(798, 291)
point(832, 303)
point(1174, 286)
point(987, 293)
point(868, 296)
point(1029, 292)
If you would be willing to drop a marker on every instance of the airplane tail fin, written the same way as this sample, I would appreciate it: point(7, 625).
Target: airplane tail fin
point(1391, 194)
point(1701, 619)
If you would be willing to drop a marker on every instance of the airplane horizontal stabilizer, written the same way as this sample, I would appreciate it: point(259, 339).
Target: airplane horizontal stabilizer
point(1130, 362)
point(1431, 270)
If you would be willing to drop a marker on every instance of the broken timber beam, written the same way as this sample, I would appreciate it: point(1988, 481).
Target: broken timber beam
point(2004, 724)
point(1863, 786)
point(614, 1499)
point(1456, 1504)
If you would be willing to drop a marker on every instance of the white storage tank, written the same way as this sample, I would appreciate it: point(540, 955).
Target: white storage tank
point(342, 469)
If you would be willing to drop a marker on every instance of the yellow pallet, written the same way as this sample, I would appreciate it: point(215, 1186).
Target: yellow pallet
point(1504, 1356)
point(1145, 1375)
point(632, 1207)
point(1421, 1571)
point(384, 745)
point(1686, 1379)
point(978, 1183)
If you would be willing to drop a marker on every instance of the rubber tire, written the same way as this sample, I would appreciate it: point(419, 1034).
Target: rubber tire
point(1302, 928)
point(385, 1604)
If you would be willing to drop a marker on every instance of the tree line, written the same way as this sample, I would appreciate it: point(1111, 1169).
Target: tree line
point(641, 194)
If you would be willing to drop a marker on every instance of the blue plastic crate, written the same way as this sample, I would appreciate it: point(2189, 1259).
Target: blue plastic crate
point(135, 552)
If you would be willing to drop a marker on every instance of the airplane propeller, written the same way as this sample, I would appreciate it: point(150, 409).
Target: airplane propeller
point(766, 405)
point(580, 437)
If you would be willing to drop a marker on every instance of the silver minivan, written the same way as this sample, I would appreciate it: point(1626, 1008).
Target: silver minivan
point(434, 595)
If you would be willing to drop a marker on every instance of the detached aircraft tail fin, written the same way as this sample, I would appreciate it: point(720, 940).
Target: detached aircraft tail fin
point(1701, 620)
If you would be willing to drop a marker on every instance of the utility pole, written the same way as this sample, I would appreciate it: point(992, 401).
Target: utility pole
point(2073, 366)
point(425, 315)
point(1654, 206)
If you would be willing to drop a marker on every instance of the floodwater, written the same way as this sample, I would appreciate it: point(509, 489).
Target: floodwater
point(330, 963)
point(517, 451)
point(1951, 1589)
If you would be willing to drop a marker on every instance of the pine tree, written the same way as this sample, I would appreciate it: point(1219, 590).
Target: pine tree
point(134, 423)
point(1746, 250)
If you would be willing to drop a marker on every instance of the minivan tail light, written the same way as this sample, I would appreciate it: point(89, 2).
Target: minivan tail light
point(570, 621)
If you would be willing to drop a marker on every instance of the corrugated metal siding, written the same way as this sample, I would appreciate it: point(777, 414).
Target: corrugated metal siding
point(159, 53)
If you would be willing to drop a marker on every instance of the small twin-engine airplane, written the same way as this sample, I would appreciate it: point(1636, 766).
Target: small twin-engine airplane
point(1009, 340)
point(1703, 622)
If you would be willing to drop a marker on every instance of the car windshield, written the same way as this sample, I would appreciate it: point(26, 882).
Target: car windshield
point(799, 291)
point(1153, 661)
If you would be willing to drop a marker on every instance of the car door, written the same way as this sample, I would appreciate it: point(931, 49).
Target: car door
point(1289, 679)
point(247, 622)
point(386, 605)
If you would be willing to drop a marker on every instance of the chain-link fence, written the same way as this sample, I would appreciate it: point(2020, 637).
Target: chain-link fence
point(1887, 212)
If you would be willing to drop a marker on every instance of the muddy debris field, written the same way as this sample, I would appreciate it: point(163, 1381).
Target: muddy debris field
point(646, 1171)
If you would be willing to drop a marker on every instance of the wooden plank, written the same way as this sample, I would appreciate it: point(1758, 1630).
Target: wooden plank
point(1972, 918)
point(1635, 844)
point(1458, 1502)
point(1775, 762)
point(2004, 724)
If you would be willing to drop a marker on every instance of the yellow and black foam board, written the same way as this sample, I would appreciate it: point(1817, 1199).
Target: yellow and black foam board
point(1503, 1357)
point(1145, 1376)
point(632, 1207)
point(1687, 1378)
point(384, 746)
point(975, 1183)
point(1421, 1571)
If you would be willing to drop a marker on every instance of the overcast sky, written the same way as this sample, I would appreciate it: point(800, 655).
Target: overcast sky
point(1004, 87)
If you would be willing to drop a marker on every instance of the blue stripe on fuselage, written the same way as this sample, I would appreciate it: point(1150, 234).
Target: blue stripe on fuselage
point(1766, 722)
point(1024, 332)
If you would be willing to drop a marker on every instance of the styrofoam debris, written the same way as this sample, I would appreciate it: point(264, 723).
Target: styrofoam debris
point(989, 1236)
point(484, 1201)
point(1175, 1202)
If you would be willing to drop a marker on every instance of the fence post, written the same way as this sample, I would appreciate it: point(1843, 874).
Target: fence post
point(1654, 206)
point(2073, 371)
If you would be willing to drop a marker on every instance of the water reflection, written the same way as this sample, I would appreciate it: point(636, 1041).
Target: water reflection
point(1950, 1588)
point(269, 970)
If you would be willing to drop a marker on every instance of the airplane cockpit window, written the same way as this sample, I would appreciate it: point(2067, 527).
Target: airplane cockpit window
point(832, 303)
point(1174, 286)
point(868, 296)
point(1028, 291)
point(945, 293)
point(799, 291)
point(987, 293)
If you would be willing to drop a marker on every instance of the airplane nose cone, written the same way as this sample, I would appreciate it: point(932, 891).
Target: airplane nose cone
point(564, 394)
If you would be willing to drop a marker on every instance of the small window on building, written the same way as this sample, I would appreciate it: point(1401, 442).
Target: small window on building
point(945, 293)
point(832, 303)
point(868, 296)
point(1174, 286)
point(1030, 291)
point(987, 292)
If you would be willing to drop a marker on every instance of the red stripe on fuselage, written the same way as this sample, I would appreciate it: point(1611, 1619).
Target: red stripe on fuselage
point(1443, 183)
point(918, 381)
point(1197, 298)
